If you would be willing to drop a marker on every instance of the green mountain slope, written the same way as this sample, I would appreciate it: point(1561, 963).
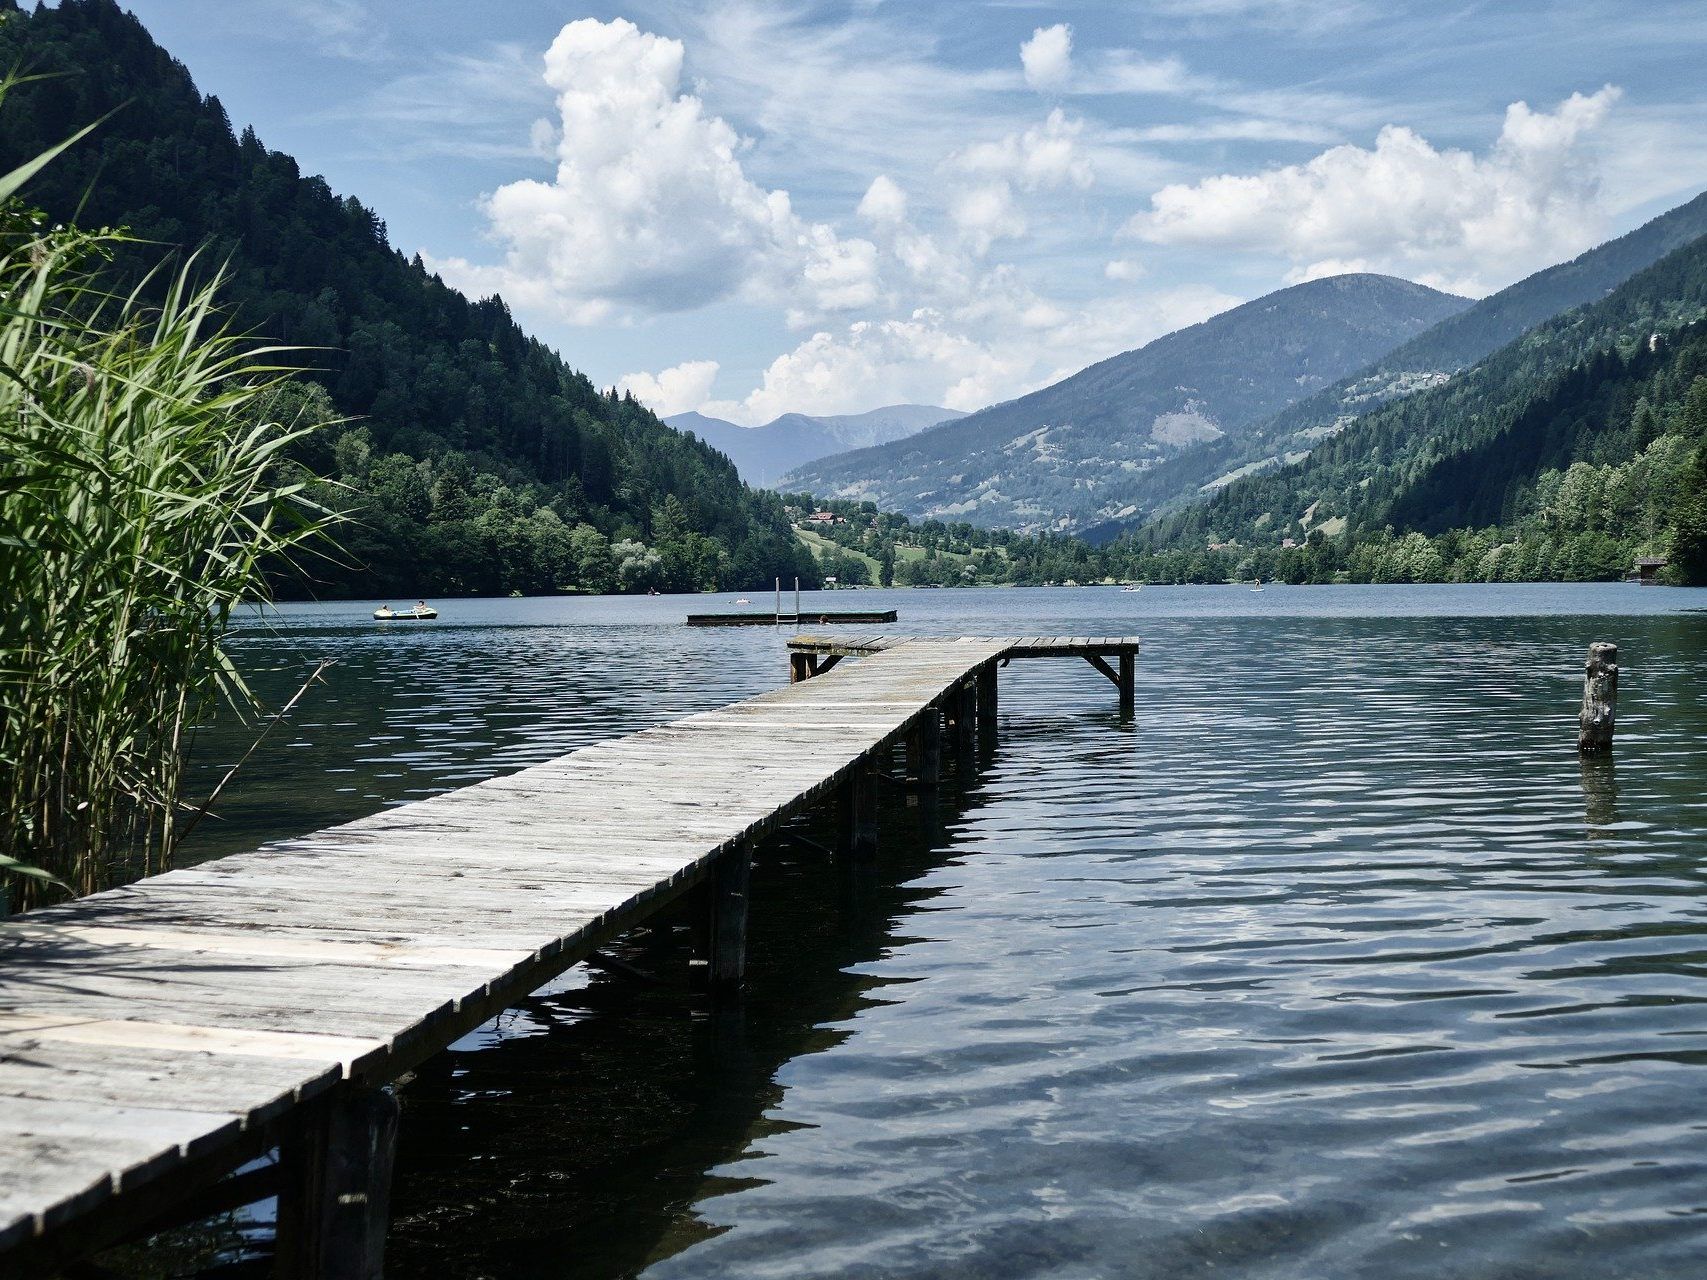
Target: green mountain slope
point(1138, 430)
point(480, 461)
point(1460, 453)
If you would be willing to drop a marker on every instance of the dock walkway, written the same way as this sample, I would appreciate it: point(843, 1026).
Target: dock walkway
point(155, 1037)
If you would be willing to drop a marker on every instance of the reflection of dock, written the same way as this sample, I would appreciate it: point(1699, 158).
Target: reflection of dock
point(825, 617)
point(154, 1038)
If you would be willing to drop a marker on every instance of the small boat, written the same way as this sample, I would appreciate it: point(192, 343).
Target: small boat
point(420, 613)
point(1132, 588)
point(743, 600)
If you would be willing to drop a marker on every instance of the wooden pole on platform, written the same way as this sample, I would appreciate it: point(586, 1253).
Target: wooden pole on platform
point(335, 1194)
point(857, 834)
point(1600, 698)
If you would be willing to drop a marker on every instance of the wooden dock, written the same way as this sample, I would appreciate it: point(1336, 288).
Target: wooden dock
point(824, 617)
point(156, 1037)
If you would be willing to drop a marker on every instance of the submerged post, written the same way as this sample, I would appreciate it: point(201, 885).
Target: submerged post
point(1600, 698)
point(335, 1199)
point(1128, 682)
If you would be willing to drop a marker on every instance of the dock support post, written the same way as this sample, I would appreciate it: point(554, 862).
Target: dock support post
point(799, 667)
point(1128, 683)
point(1600, 698)
point(858, 825)
point(987, 700)
point(925, 745)
point(965, 725)
point(720, 943)
point(335, 1199)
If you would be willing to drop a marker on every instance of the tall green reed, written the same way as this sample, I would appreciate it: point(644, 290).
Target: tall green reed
point(143, 497)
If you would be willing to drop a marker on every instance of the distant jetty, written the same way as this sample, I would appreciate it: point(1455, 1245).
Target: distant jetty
point(775, 617)
point(828, 617)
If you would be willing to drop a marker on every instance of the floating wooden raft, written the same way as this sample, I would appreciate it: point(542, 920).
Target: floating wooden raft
point(154, 1037)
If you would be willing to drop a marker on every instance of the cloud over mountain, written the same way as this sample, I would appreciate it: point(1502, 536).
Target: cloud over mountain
point(1446, 217)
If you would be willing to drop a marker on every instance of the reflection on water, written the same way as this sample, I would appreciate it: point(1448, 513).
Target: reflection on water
point(1600, 793)
point(1340, 962)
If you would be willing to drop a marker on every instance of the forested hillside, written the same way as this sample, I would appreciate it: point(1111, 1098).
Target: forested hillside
point(1140, 429)
point(475, 458)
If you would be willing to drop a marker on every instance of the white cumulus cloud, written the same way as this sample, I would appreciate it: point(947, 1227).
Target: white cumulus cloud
point(650, 209)
point(986, 214)
point(1048, 56)
point(1447, 217)
point(674, 390)
point(1045, 155)
point(884, 202)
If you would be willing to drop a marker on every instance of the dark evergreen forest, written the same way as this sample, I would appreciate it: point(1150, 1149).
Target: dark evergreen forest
point(471, 457)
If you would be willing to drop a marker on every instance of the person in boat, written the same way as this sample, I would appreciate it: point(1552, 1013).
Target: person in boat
point(420, 604)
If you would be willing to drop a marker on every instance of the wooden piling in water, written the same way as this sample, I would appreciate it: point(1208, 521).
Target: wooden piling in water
point(1600, 698)
point(1128, 683)
point(728, 950)
point(987, 697)
point(964, 702)
point(334, 1201)
point(858, 825)
point(929, 730)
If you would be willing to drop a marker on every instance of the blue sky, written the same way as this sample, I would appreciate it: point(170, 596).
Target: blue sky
point(750, 208)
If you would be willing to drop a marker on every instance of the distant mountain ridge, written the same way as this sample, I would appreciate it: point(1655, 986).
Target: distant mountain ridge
point(1143, 428)
point(763, 455)
point(1461, 340)
point(1461, 453)
point(1436, 356)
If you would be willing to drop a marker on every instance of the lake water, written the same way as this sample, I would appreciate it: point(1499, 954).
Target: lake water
point(1336, 961)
